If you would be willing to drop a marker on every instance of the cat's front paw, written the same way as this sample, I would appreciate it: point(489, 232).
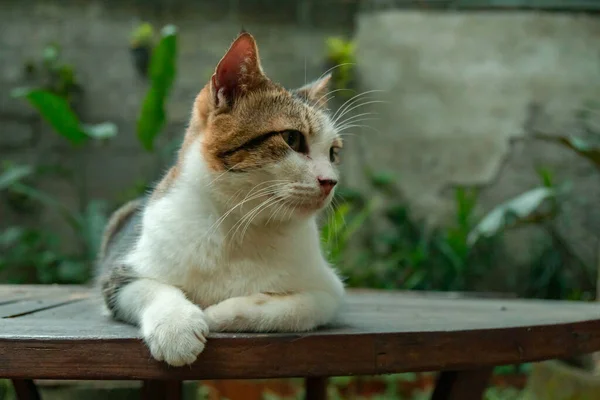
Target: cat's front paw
point(175, 335)
point(231, 315)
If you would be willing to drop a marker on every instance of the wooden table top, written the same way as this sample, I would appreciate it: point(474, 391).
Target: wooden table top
point(59, 332)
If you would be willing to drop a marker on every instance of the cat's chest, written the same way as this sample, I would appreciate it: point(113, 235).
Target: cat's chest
point(219, 279)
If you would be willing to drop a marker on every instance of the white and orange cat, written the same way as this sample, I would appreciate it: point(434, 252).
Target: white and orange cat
point(228, 240)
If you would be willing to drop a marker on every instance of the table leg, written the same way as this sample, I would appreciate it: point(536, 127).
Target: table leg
point(462, 385)
point(25, 389)
point(162, 390)
point(316, 388)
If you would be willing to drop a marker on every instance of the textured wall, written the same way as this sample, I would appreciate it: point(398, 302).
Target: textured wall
point(462, 92)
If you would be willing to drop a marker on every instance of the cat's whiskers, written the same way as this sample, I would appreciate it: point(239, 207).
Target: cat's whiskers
point(293, 208)
point(257, 213)
point(354, 107)
point(233, 198)
point(242, 220)
point(263, 192)
point(354, 118)
point(354, 124)
point(329, 96)
point(360, 126)
point(278, 182)
point(348, 103)
point(276, 211)
point(245, 221)
point(334, 67)
point(221, 175)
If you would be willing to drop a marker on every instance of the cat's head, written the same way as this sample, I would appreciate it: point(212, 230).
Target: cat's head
point(264, 144)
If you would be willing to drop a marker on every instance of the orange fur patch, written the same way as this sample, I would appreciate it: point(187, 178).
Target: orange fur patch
point(271, 109)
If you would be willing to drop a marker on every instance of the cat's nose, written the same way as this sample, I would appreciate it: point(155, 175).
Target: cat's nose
point(326, 185)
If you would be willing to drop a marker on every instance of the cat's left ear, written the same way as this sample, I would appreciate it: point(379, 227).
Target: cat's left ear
point(238, 72)
point(315, 92)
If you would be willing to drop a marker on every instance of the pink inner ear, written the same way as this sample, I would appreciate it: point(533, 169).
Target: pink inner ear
point(240, 60)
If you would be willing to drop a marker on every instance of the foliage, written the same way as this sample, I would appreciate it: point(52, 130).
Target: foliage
point(55, 76)
point(407, 254)
point(58, 113)
point(341, 59)
point(31, 254)
point(152, 115)
point(341, 227)
point(520, 208)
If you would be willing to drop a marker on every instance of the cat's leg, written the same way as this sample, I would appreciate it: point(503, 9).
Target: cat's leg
point(174, 328)
point(268, 312)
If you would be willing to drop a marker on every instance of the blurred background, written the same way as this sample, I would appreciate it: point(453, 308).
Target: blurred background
point(471, 160)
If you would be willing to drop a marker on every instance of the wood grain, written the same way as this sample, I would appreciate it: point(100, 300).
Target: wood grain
point(377, 332)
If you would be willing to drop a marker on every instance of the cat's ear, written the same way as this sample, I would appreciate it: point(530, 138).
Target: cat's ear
point(315, 92)
point(238, 71)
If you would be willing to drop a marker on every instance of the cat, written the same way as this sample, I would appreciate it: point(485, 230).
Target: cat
point(228, 239)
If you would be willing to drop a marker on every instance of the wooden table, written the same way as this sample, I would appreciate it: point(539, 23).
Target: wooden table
point(58, 332)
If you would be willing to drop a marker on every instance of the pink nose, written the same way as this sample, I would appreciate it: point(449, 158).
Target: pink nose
point(326, 185)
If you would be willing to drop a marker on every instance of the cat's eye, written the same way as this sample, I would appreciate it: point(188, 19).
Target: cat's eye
point(296, 141)
point(334, 154)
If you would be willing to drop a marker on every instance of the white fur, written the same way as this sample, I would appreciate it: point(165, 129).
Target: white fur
point(202, 271)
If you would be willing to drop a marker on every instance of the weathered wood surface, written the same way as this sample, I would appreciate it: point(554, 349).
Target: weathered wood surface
point(61, 333)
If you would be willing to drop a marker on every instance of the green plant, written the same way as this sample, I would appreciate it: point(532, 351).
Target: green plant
point(152, 115)
point(53, 75)
point(403, 253)
point(341, 59)
point(141, 44)
point(342, 225)
point(38, 255)
point(34, 254)
point(57, 111)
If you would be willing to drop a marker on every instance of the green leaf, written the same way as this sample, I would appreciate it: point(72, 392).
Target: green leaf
point(576, 144)
point(56, 111)
point(520, 207)
point(162, 74)
point(102, 131)
point(546, 176)
point(14, 174)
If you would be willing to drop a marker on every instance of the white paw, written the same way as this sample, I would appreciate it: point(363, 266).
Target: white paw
point(230, 315)
point(175, 335)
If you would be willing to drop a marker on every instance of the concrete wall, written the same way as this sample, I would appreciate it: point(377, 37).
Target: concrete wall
point(464, 90)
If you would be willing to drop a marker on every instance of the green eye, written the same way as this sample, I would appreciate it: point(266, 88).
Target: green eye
point(334, 154)
point(296, 141)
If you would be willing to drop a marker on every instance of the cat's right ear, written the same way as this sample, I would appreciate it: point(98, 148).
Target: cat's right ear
point(238, 72)
point(316, 92)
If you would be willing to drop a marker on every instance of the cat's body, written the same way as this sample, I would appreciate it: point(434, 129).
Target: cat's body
point(228, 241)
